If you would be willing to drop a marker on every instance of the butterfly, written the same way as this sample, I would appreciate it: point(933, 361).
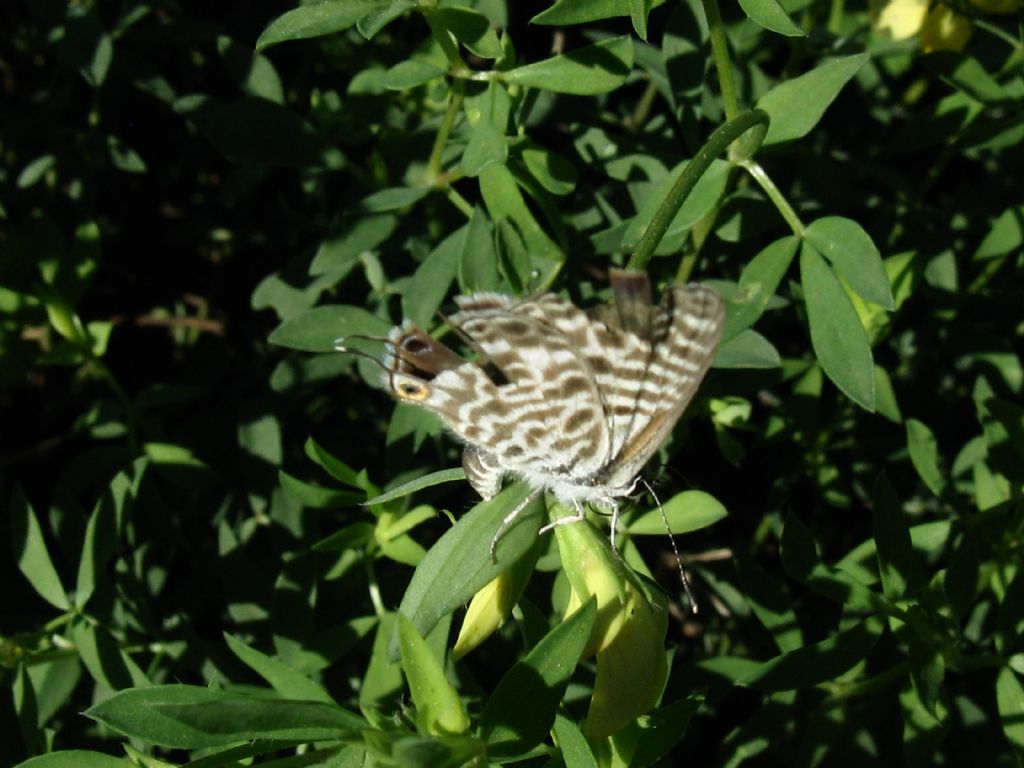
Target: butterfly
point(575, 403)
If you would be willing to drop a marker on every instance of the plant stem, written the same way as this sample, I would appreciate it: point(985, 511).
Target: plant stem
point(447, 123)
point(774, 194)
point(717, 143)
point(720, 55)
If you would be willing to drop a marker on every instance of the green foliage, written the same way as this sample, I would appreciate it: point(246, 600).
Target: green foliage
point(226, 546)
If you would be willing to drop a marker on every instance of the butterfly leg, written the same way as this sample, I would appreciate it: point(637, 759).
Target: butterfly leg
point(509, 519)
point(580, 516)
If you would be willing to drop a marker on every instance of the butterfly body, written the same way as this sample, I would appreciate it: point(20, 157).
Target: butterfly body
point(574, 403)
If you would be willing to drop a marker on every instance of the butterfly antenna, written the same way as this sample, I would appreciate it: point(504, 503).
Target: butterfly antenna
point(339, 346)
point(675, 549)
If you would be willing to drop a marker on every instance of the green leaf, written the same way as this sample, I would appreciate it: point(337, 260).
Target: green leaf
point(102, 533)
point(478, 260)
point(432, 279)
point(319, 329)
point(572, 744)
point(837, 336)
point(967, 74)
point(193, 717)
point(663, 728)
point(334, 466)
point(411, 73)
point(553, 172)
point(597, 68)
point(103, 658)
point(540, 678)
point(386, 12)
point(459, 563)
point(922, 732)
point(770, 15)
point(504, 201)
point(817, 663)
point(924, 455)
point(472, 29)
point(1010, 417)
point(30, 553)
point(1005, 236)
point(35, 170)
point(393, 198)
point(342, 249)
point(289, 683)
point(892, 537)
point(801, 561)
point(686, 512)
point(749, 349)
point(315, 20)
point(759, 280)
point(853, 254)
point(770, 603)
point(439, 709)
point(795, 106)
point(412, 486)
point(76, 758)
point(1010, 703)
point(85, 45)
point(486, 145)
point(638, 10)
point(566, 12)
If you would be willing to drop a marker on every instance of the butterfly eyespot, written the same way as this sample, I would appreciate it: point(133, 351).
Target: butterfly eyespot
point(409, 390)
point(415, 346)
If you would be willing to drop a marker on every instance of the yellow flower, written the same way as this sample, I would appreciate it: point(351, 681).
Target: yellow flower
point(902, 19)
point(937, 26)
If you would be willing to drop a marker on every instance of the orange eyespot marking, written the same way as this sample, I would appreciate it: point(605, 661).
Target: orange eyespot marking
point(412, 390)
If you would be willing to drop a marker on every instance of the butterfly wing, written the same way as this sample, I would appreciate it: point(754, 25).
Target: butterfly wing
point(552, 422)
point(686, 328)
point(616, 357)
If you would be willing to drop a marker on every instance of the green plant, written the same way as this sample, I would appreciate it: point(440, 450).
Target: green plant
point(181, 543)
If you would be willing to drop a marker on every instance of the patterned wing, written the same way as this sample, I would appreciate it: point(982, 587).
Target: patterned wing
point(616, 357)
point(686, 328)
point(552, 421)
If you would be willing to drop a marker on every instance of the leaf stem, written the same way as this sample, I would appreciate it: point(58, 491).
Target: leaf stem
point(717, 143)
point(774, 194)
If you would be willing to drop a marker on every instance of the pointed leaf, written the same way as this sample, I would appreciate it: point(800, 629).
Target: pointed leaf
point(597, 68)
point(795, 106)
point(288, 682)
point(892, 537)
point(540, 678)
point(852, 252)
point(193, 717)
point(426, 481)
point(30, 553)
point(837, 336)
point(314, 20)
point(459, 563)
point(770, 15)
point(318, 329)
point(686, 512)
point(924, 455)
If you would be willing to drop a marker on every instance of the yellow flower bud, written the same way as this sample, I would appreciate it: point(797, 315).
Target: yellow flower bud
point(944, 30)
